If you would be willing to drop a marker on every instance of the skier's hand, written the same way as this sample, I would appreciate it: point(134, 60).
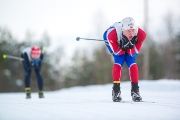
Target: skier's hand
point(124, 43)
point(133, 42)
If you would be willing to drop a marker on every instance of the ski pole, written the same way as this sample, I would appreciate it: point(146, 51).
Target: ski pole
point(78, 38)
point(12, 57)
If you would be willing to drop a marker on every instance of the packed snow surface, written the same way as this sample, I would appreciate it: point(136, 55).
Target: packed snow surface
point(161, 102)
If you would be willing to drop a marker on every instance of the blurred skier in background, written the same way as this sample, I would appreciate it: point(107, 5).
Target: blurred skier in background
point(32, 59)
point(124, 40)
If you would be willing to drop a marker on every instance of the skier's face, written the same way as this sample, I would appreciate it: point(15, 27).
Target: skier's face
point(129, 33)
point(35, 56)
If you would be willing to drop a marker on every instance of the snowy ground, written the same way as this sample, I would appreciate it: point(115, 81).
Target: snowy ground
point(162, 102)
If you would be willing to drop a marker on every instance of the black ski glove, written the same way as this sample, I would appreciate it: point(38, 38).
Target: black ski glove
point(124, 43)
point(133, 42)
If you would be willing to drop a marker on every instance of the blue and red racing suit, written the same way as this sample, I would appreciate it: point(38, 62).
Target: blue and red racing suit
point(112, 36)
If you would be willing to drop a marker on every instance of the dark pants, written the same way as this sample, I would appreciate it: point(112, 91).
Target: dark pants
point(38, 76)
point(28, 68)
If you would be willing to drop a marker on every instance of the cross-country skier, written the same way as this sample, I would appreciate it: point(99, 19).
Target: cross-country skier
point(32, 59)
point(124, 40)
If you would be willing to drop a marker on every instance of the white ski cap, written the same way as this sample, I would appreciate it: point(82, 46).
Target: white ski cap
point(128, 23)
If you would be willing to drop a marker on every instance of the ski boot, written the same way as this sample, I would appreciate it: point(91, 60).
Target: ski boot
point(28, 93)
point(135, 92)
point(116, 93)
point(41, 95)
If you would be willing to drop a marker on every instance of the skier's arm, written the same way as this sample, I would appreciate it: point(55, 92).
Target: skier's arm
point(42, 57)
point(140, 37)
point(26, 62)
point(112, 40)
point(40, 62)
